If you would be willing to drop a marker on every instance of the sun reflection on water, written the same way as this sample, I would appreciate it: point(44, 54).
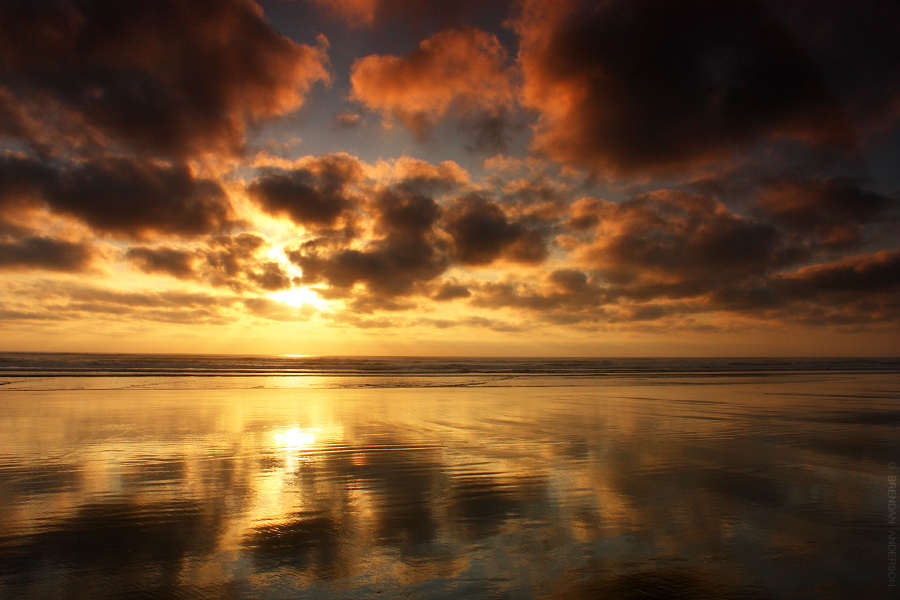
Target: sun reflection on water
point(296, 438)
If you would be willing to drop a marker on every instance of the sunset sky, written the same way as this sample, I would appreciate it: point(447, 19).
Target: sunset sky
point(399, 177)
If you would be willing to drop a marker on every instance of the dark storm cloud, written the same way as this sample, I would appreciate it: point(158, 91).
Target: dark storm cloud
point(857, 276)
point(563, 296)
point(855, 47)
point(834, 211)
point(270, 277)
point(482, 233)
point(165, 260)
point(415, 240)
point(854, 291)
point(47, 253)
point(232, 261)
point(491, 132)
point(671, 237)
point(632, 85)
point(227, 254)
point(667, 255)
point(292, 193)
point(406, 215)
point(13, 230)
point(412, 239)
point(450, 290)
point(388, 267)
point(404, 252)
point(21, 178)
point(171, 77)
point(316, 195)
point(119, 195)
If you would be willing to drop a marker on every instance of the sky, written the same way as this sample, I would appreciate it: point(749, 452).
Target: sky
point(398, 177)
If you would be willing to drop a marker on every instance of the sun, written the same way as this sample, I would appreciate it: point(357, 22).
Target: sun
point(298, 296)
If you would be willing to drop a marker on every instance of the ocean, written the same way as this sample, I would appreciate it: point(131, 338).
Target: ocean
point(165, 476)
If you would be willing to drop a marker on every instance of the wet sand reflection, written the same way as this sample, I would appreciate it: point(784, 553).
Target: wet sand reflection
point(733, 490)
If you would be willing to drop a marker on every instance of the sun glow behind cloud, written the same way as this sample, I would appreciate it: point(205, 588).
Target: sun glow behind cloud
point(296, 296)
point(299, 296)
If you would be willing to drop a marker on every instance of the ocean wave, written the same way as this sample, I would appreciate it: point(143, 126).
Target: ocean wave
point(163, 365)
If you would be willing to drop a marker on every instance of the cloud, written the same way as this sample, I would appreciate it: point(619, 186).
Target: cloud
point(856, 275)
point(458, 72)
point(854, 46)
point(671, 237)
point(40, 252)
point(164, 260)
point(170, 77)
point(666, 255)
point(450, 290)
point(854, 291)
point(278, 311)
point(349, 120)
point(405, 253)
point(233, 261)
point(316, 194)
point(626, 86)
point(563, 295)
point(409, 238)
point(483, 233)
point(70, 301)
point(120, 196)
point(420, 177)
point(270, 277)
point(397, 238)
point(832, 210)
point(404, 215)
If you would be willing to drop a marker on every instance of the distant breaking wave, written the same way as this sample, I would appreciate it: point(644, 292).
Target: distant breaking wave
point(16, 364)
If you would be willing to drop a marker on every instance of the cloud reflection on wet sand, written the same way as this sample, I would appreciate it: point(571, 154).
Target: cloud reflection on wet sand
point(742, 489)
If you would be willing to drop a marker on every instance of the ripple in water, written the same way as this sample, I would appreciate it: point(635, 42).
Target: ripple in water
point(735, 485)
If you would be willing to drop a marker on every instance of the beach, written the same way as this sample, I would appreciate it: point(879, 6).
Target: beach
point(454, 478)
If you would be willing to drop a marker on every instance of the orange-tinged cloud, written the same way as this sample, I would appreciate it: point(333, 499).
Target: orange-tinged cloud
point(456, 72)
point(170, 77)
